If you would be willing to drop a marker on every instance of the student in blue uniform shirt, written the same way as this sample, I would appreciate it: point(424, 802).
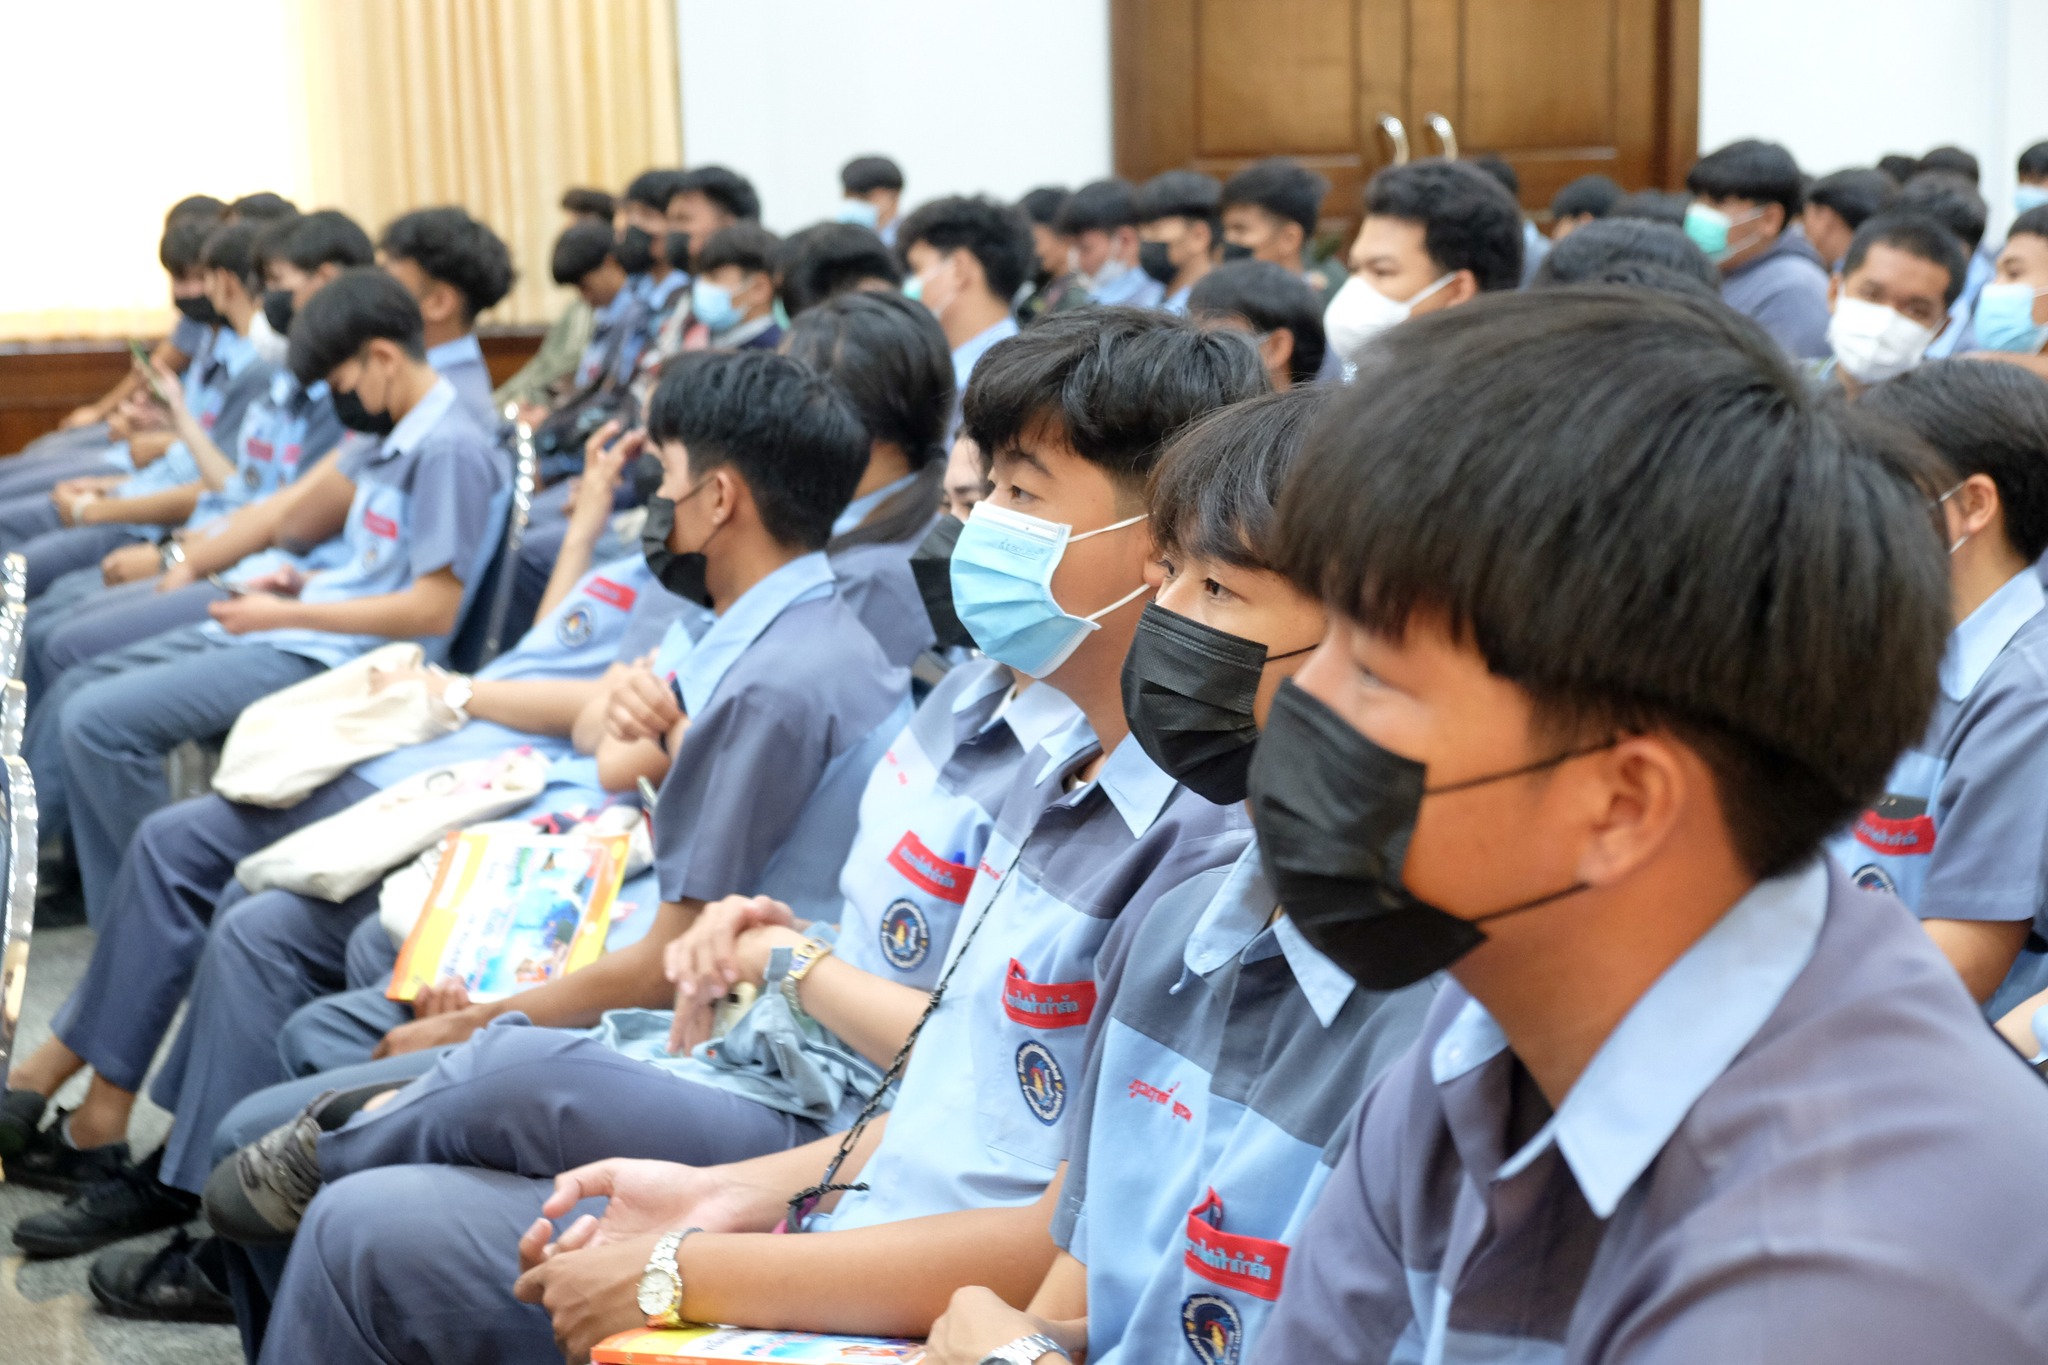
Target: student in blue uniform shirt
point(1102, 219)
point(425, 510)
point(455, 268)
point(1960, 832)
point(967, 259)
point(1691, 1095)
point(1890, 302)
point(733, 291)
point(871, 190)
point(1281, 314)
point(1953, 201)
point(654, 285)
point(586, 259)
point(1232, 1052)
point(1180, 232)
point(1013, 1009)
point(1745, 198)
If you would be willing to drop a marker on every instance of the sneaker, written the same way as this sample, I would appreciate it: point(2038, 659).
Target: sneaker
point(45, 1161)
point(258, 1195)
point(170, 1284)
point(128, 1203)
point(21, 1115)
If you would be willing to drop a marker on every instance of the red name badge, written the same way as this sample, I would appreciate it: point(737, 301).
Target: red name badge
point(617, 594)
point(261, 450)
point(929, 872)
point(378, 525)
point(1056, 1004)
point(1251, 1264)
point(1914, 834)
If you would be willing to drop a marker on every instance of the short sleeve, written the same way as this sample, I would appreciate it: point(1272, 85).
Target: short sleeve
point(243, 391)
point(1992, 823)
point(188, 336)
point(1796, 313)
point(358, 451)
point(453, 512)
point(738, 782)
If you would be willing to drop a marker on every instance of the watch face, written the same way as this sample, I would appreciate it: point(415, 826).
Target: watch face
point(657, 1291)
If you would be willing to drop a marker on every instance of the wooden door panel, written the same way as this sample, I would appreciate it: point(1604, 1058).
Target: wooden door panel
point(1275, 74)
point(1538, 76)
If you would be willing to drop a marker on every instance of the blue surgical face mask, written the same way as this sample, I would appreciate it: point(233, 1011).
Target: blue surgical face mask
point(859, 212)
point(2005, 318)
point(1002, 588)
point(2025, 197)
point(1709, 228)
point(712, 305)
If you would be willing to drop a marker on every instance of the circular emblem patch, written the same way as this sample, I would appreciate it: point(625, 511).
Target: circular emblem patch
point(1214, 1330)
point(252, 476)
point(906, 938)
point(1871, 877)
point(1039, 1078)
point(576, 626)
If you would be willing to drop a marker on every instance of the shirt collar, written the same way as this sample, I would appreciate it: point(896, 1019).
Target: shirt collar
point(1039, 712)
point(1135, 785)
point(736, 629)
point(1671, 1046)
point(232, 351)
point(1985, 632)
point(740, 333)
point(969, 352)
point(416, 424)
point(464, 350)
point(659, 292)
point(857, 511)
point(1239, 922)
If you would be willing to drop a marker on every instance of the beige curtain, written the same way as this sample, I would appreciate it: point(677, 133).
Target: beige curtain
point(496, 105)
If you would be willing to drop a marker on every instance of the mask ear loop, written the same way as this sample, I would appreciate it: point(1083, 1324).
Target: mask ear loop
point(1136, 592)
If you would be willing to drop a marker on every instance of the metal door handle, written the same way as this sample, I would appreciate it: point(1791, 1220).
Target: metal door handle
point(1446, 135)
point(1397, 133)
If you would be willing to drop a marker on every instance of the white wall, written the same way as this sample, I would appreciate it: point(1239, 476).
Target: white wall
point(1842, 82)
point(966, 95)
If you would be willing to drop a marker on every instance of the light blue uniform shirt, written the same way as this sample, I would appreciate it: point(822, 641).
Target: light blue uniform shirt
point(966, 356)
point(857, 511)
point(607, 336)
point(1218, 1094)
point(215, 381)
point(461, 363)
point(283, 432)
point(985, 1110)
point(430, 496)
point(1132, 289)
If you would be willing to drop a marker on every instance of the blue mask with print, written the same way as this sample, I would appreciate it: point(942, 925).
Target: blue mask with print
point(859, 212)
point(712, 305)
point(1002, 572)
point(2005, 319)
point(2026, 197)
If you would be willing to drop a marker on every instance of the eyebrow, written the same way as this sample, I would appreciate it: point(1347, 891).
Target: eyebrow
point(1025, 457)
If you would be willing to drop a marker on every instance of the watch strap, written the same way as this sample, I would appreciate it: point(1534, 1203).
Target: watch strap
point(802, 958)
point(663, 1260)
point(1025, 1350)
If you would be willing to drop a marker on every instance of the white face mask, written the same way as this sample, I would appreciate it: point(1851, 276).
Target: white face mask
point(1358, 313)
point(1875, 343)
point(270, 347)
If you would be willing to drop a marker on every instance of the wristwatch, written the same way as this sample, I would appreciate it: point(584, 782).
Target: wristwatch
point(802, 958)
point(170, 552)
point(457, 694)
point(660, 1296)
point(1025, 1350)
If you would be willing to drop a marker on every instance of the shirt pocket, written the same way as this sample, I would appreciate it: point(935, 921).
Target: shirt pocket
point(1030, 1052)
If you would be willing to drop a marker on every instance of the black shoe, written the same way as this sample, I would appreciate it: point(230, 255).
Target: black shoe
point(60, 894)
point(128, 1203)
point(169, 1284)
point(47, 1162)
point(21, 1116)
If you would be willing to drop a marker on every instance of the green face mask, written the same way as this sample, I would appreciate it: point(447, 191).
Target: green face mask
point(1708, 228)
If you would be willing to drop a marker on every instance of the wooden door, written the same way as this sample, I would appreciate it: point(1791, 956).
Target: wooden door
point(1558, 88)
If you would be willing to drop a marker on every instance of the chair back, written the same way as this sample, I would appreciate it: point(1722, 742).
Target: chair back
point(18, 865)
point(480, 637)
point(13, 716)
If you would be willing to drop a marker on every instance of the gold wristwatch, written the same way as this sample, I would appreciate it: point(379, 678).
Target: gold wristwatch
point(802, 958)
point(660, 1296)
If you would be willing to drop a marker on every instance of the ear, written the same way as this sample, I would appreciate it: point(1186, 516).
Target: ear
point(727, 496)
point(1463, 288)
point(1977, 504)
point(972, 276)
point(1277, 350)
point(1636, 795)
point(1774, 219)
point(1292, 238)
point(443, 302)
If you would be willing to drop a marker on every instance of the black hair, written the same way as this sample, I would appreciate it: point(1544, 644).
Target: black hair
point(232, 247)
point(746, 245)
point(1590, 196)
point(1639, 512)
point(1282, 187)
point(1950, 200)
point(263, 207)
point(1917, 235)
point(1981, 419)
point(590, 203)
point(1100, 206)
point(889, 355)
point(183, 239)
point(1268, 297)
point(1500, 170)
point(450, 246)
point(1594, 253)
point(1215, 490)
point(1856, 195)
point(328, 236)
point(1899, 166)
point(2033, 163)
point(1654, 206)
point(583, 247)
point(2034, 223)
point(195, 206)
point(1761, 172)
point(866, 173)
point(815, 263)
point(1042, 205)
point(1183, 194)
point(653, 189)
point(1118, 382)
point(271, 240)
point(790, 433)
point(1468, 221)
point(994, 234)
point(726, 188)
point(1954, 160)
point(358, 306)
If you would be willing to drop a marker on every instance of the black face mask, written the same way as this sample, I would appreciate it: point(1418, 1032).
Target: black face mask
point(931, 564)
point(1334, 813)
point(277, 310)
point(1188, 691)
point(349, 410)
point(1236, 251)
point(676, 247)
point(1153, 260)
point(199, 308)
point(634, 251)
point(682, 574)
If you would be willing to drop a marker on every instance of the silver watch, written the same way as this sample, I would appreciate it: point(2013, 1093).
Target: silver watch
point(1024, 1350)
point(660, 1296)
point(457, 693)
